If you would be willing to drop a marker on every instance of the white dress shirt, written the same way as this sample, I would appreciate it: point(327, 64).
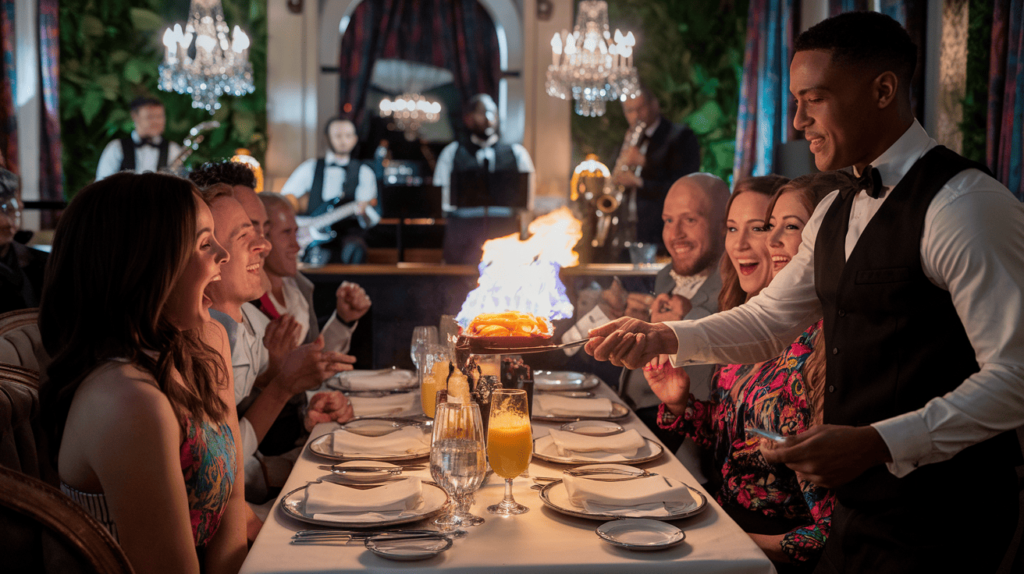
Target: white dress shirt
point(446, 160)
point(301, 180)
point(146, 157)
point(972, 246)
point(688, 285)
point(249, 358)
point(337, 335)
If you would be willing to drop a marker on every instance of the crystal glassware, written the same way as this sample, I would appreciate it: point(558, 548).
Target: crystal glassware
point(509, 444)
point(421, 337)
point(457, 461)
point(433, 372)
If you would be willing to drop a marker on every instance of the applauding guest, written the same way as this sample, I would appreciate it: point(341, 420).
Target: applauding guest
point(291, 293)
point(138, 401)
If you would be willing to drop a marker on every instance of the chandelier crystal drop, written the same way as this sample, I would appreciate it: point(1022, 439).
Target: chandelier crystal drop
point(590, 65)
point(410, 111)
point(200, 60)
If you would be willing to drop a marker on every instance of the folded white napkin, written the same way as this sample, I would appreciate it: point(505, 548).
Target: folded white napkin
point(626, 443)
point(383, 406)
point(650, 496)
point(406, 440)
point(565, 406)
point(331, 501)
point(375, 381)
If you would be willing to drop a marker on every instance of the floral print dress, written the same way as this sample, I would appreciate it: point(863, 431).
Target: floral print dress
point(771, 396)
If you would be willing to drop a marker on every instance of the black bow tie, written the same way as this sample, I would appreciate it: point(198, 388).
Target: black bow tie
point(870, 180)
point(336, 164)
point(147, 142)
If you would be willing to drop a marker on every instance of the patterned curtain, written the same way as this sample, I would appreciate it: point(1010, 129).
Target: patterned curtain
point(8, 113)
point(456, 35)
point(1004, 147)
point(51, 185)
point(764, 114)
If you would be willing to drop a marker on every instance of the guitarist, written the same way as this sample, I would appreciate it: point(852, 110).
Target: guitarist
point(672, 151)
point(338, 183)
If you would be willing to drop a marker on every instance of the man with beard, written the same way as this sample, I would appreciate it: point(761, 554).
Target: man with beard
point(462, 167)
point(917, 272)
point(694, 234)
point(340, 180)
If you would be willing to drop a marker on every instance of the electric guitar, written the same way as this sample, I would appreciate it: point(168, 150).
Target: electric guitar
point(315, 228)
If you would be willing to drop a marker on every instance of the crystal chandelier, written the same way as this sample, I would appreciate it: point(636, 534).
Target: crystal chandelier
point(200, 61)
point(409, 111)
point(590, 66)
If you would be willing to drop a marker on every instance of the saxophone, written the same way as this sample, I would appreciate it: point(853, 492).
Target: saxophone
point(608, 202)
point(191, 144)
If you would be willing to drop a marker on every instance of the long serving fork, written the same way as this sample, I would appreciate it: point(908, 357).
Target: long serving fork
point(591, 474)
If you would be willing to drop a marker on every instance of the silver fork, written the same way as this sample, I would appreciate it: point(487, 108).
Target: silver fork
point(592, 474)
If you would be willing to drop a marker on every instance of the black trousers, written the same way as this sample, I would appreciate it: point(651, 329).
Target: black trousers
point(962, 526)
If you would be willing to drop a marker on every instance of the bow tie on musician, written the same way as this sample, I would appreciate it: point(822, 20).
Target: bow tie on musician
point(145, 149)
point(335, 196)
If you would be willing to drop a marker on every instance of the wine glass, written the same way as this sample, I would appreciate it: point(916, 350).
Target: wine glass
point(433, 372)
point(421, 337)
point(457, 461)
point(448, 331)
point(509, 444)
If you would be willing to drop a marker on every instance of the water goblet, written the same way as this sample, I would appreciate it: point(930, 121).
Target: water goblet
point(457, 461)
point(421, 337)
point(509, 444)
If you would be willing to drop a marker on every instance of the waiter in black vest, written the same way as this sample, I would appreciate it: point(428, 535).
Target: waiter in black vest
point(145, 149)
point(340, 183)
point(480, 184)
point(920, 279)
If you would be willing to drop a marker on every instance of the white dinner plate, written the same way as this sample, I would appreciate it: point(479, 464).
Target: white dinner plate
point(431, 502)
point(593, 428)
point(563, 381)
point(408, 549)
point(396, 380)
point(324, 446)
point(555, 497)
point(619, 411)
point(365, 476)
point(544, 449)
point(640, 534)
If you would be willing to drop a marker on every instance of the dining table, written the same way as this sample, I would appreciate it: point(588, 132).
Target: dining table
point(541, 540)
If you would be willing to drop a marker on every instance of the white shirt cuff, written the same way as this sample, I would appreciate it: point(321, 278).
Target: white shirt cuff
point(690, 340)
point(908, 440)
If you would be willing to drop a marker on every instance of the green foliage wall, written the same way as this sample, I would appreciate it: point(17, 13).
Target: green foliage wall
point(109, 53)
point(979, 45)
point(690, 54)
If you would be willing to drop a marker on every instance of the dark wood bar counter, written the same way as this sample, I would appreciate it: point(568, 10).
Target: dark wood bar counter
point(410, 294)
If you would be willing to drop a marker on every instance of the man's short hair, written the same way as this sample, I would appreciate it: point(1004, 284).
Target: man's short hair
point(227, 171)
point(215, 191)
point(867, 39)
point(9, 184)
point(270, 198)
point(332, 119)
point(143, 102)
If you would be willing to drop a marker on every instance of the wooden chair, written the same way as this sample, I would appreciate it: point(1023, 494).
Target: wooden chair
point(22, 442)
point(42, 530)
point(20, 342)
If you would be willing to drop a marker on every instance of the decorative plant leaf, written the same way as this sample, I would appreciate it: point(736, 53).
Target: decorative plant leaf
point(91, 105)
point(144, 20)
point(705, 119)
point(92, 26)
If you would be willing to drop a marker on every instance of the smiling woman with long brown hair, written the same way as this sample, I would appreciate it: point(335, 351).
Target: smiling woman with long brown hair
point(139, 406)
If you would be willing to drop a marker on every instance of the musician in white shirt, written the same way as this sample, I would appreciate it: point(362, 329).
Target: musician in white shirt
point(337, 179)
point(150, 151)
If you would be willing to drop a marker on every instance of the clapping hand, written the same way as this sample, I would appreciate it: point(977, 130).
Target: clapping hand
point(280, 338)
point(352, 302)
point(326, 407)
point(670, 384)
point(309, 365)
point(668, 307)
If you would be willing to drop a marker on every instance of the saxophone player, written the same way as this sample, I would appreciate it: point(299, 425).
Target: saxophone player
point(671, 151)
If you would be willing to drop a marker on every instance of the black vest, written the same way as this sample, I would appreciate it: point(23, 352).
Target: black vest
point(894, 340)
point(128, 154)
point(348, 188)
point(470, 178)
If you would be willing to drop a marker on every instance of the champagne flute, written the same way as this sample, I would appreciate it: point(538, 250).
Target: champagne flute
point(509, 444)
point(421, 337)
point(457, 461)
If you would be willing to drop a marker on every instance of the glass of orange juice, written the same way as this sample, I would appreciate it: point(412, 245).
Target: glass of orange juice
point(434, 376)
point(509, 444)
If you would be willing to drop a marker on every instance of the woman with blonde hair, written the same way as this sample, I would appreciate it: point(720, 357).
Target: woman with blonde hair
point(138, 405)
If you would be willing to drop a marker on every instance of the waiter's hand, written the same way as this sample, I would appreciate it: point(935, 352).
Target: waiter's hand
point(829, 455)
point(668, 307)
point(631, 343)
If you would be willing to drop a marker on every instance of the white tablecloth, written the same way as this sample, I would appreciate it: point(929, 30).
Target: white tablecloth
point(541, 540)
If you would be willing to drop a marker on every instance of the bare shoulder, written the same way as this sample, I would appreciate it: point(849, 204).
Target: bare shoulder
point(121, 389)
point(216, 336)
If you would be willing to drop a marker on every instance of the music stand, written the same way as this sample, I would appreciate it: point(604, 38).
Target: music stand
point(485, 190)
point(409, 202)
